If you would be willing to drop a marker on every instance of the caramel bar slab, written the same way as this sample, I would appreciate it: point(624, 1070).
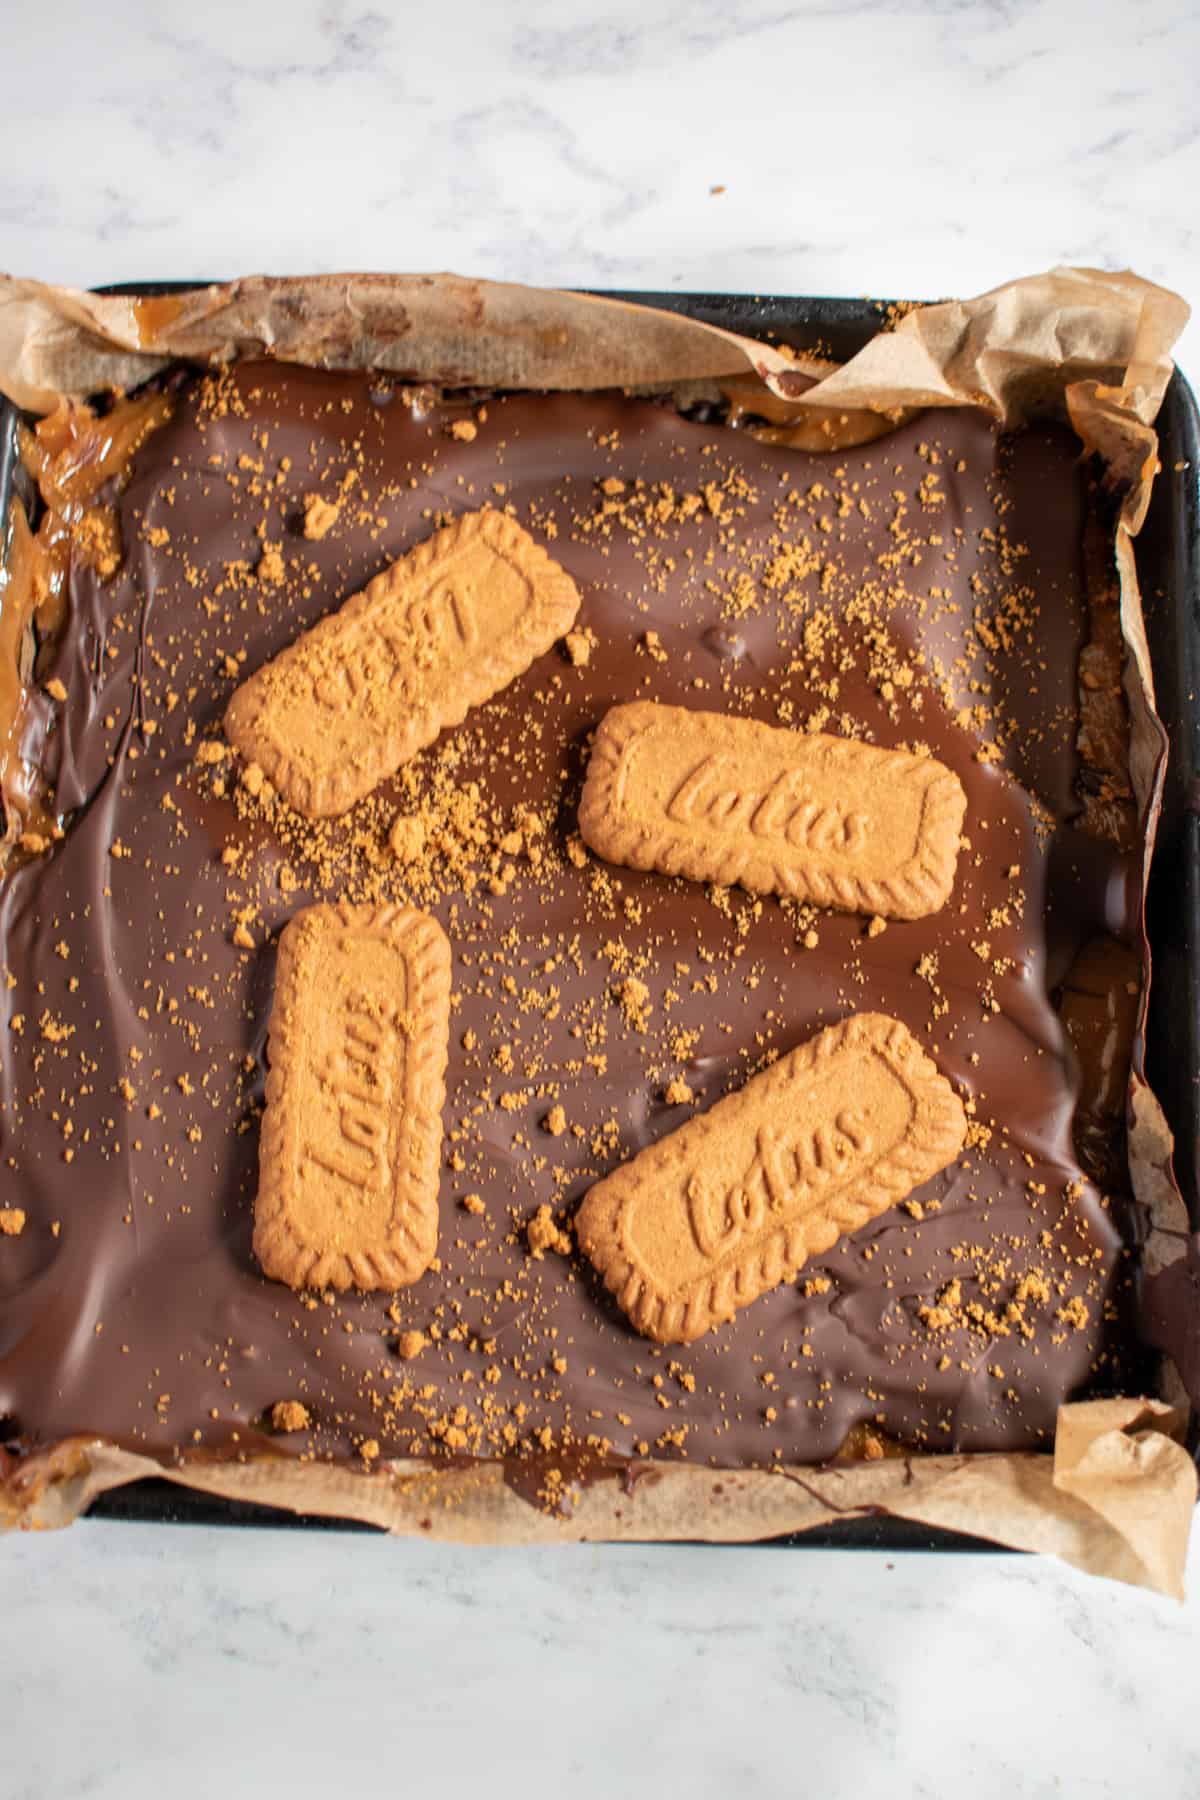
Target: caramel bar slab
point(727, 800)
point(437, 633)
point(598, 1008)
point(735, 1202)
point(348, 1158)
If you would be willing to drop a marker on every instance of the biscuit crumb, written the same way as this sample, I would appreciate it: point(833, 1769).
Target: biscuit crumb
point(97, 538)
point(56, 689)
point(464, 430)
point(555, 1121)
point(270, 566)
point(578, 645)
point(320, 516)
point(633, 997)
point(408, 839)
point(290, 1415)
point(410, 1344)
point(543, 1233)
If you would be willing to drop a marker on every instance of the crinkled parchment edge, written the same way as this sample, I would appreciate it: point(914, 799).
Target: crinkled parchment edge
point(1115, 1499)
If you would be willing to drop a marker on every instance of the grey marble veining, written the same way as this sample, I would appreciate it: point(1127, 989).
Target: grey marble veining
point(864, 147)
point(147, 1660)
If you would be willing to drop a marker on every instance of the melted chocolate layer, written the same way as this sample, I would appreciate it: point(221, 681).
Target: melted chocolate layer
point(926, 589)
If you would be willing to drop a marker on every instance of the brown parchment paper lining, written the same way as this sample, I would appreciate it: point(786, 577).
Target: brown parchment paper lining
point(1088, 346)
point(1116, 1498)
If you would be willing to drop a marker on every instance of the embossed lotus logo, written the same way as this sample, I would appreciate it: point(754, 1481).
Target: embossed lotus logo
point(786, 1169)
point(719, 795)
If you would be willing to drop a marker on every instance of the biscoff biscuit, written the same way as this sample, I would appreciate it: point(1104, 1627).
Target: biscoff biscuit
point(730, 801)
point(438, 632)
point(736, 1201)
point(351, 1136)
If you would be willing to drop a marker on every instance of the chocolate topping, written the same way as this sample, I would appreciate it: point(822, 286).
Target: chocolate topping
point(925, 590)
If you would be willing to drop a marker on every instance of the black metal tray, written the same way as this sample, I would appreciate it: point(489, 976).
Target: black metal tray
point(1168, 554)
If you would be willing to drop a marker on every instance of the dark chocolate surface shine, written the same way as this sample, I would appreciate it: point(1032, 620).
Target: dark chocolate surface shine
point(131, 1304)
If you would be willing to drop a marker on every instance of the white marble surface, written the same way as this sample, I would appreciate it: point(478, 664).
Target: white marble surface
point(198, 1664)
point(866, 146)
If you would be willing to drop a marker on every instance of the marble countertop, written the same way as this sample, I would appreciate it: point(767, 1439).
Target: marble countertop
point(200, 1664)
point(818, 146)
point(860, 147)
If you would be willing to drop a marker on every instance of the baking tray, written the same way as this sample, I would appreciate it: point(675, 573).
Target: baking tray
point(1168, 554)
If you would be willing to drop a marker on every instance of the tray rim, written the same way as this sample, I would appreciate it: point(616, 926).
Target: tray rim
point(153, 1501)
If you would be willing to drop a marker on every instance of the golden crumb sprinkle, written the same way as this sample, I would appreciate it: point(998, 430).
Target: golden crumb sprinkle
point(56, 689)
point(464, 430)
point(320, 516)
point(270, 566)
point(555, 1121)
point(96, 537)
point(543, 1232)
point(410, 1344)
point(633, 998)
point(578, 645)
point(12, 1221)
point(290, 1415)
point(408, 839)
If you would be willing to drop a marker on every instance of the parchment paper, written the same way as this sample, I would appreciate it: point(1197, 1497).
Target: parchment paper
point(1117, 1496)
